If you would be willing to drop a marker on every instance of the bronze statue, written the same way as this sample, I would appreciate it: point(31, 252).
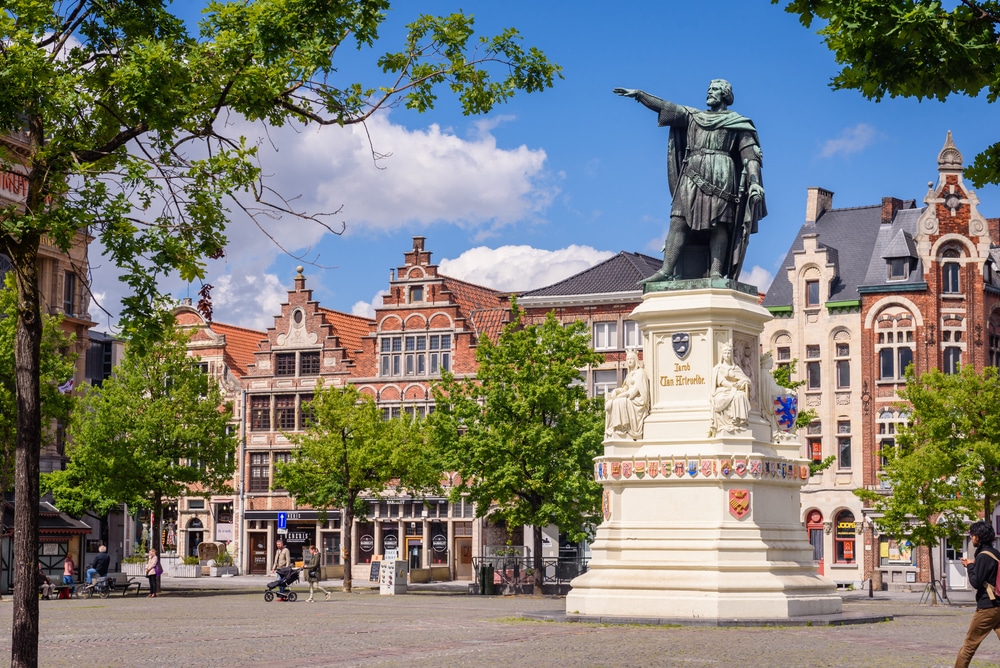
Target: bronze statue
point(714, 171)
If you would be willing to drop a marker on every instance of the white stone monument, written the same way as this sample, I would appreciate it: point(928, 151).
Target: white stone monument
point(701, 514)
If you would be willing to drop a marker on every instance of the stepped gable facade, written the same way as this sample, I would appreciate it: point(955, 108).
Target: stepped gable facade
point(863, 293)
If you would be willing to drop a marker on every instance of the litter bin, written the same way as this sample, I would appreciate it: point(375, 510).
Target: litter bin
point(486, 587)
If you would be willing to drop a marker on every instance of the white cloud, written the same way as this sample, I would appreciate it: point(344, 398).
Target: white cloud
point(518, 268)
point(367, 309)
point(757, 276)
point(430, 175)
point(850, 140)
point(248, 299)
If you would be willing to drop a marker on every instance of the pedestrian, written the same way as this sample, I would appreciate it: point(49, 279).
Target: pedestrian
point(68, 568)
point(282, 562)
point(983, 576)
point(312, 571)
point(42, 580)
point(153, 572)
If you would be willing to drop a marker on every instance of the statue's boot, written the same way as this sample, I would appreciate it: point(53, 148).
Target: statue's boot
point(661, 275)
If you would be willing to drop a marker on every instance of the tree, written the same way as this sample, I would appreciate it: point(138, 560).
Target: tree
point(914, 48)
point(57, 369)
point(523, 434)
point(944, 470)
point(155, 430)
point(115, 119)
point(348, 452)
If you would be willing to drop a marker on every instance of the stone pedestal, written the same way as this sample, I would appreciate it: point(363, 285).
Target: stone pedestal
point(701, 525)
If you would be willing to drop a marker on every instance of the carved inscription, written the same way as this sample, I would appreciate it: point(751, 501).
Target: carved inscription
point(680, 378)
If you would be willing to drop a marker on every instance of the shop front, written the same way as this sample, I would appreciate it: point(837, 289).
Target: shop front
point(302, 528)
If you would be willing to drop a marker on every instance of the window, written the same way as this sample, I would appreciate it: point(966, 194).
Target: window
point(281, 458)
point(260, 467)
point(843, 365)
point(888, 422)
point(260, 413)
point(69, 293)
point(284, 364)
point(844, 444)
point(894, 346)
point(784, 354)
point(812, 293)
point(605, 335)
point(952, 359)
point(415, 354)
point(309, 363)
point(950, 273)
point(417, 293)
point(994, 343)
point(284, 412)
point(633, 337)
point(845, 537)
point(899, 268)
point(439, 357)
point(812, 352)
point(812, 376)
point(196, 504)
point(305, 410)
point(605, 380)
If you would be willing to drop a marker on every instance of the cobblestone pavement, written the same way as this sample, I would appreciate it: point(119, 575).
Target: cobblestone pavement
point(209, 623)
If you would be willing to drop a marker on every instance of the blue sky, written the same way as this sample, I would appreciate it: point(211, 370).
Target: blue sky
point(554, 182)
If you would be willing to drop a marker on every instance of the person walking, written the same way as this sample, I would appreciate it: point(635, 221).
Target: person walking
point(282, 562)
point(312, 571)
point(153, 572)
point(983, 576)
point(68, 568)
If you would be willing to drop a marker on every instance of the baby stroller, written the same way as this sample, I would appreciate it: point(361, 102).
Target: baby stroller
point(286, 577)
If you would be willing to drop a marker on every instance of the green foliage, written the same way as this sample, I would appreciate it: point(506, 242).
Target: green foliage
point(523, 433)
point(348, 450)
point(783, 375)
point(944, 471)
point(156, 429)
point(914, 48)
point(190, 560)
point(57, 367)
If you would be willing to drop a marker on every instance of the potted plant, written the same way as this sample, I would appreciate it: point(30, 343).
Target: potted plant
point(222, 565)
point(134, 565)
point(189, 567)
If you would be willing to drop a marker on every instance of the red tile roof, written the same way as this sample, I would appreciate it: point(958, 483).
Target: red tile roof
point(484, 307)
point(240, 346)
point(348, 327)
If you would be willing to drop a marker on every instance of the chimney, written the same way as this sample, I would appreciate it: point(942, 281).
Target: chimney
point(818, 200)
point(890, 205)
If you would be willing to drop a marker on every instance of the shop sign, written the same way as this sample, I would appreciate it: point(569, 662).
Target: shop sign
point(439, 543)
point(390, 542)
point(223, 532)
point(846, 530)
point(366, 543)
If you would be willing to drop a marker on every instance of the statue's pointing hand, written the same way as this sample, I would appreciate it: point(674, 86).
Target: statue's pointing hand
point(626, 92)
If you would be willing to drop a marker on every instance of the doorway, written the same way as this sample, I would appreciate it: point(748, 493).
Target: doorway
point(957, 575)
point(195, 535)
point(814, 525)
point(463, 558)
point(258, 553)
point(414, 552)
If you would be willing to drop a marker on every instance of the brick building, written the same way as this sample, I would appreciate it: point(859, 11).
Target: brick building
point(864, 292)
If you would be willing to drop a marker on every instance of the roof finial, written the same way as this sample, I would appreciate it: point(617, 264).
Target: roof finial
point(949, 158)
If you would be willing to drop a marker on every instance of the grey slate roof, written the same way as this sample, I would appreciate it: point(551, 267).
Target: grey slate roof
point(904, 223)
point(855, 241)
point(620, 273)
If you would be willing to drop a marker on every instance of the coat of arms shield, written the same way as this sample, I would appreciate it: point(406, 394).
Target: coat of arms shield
point(681, 342)
point(739, 502)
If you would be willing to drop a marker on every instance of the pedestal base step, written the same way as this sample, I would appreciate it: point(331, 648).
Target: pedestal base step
point(837, 619)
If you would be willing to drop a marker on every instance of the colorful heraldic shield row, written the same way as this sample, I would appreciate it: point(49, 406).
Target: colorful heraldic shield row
point(713, 467)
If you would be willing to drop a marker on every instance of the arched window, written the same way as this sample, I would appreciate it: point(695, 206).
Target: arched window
point(894, 345)
point(845, 536)
point(950, 272)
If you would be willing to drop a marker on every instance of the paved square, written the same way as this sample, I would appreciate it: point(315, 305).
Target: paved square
point(234, 626)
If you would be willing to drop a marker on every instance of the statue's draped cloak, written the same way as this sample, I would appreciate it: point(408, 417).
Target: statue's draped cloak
point(721, 166)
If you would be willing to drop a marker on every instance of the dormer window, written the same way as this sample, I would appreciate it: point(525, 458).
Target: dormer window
point(812, 294)
point(899, 268)
point(417, 293)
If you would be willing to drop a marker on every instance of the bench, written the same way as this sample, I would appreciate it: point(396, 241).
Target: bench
point(131, 582)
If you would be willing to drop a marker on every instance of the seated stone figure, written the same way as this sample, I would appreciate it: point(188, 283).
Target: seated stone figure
point(730, 396)
point(626, 407)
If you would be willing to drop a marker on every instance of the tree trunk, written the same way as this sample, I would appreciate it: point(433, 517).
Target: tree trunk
point(27, 346)
point(930, 564)
point(537, 561)
point(154, 524)
point(346, 534)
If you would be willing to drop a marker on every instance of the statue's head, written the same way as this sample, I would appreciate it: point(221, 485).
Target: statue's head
point(727, 350)
point(766, 360)
point(723, 89)
point(631, 357)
